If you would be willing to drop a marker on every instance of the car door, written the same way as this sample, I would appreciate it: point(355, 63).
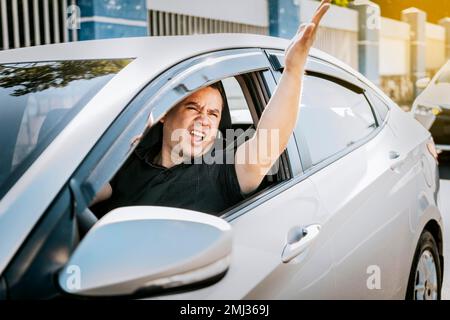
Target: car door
point(367, 189)
point(278, 251)
point(272, 259)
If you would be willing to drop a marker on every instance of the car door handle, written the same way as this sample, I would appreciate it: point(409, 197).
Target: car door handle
point(399, 160)
point(298, 240)
point(394, 155)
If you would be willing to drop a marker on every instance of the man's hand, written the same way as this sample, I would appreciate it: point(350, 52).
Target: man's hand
point(280, 116)
point(297, 51)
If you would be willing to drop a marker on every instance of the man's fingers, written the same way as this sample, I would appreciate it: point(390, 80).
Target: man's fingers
point(318, 15)
point(323, 8)
point(308, 34)
point(302, 28)
point(322, 3)
point(309, 30)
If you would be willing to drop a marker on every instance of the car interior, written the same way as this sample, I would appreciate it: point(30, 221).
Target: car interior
point(240, 112)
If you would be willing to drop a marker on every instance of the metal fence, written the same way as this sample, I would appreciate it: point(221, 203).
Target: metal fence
point(33, 22)
point(342, 44)
point(169, 24)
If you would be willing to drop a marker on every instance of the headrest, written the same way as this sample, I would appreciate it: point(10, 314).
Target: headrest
point(225, 120)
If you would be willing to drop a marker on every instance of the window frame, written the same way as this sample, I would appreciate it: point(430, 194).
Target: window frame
point(159, 96)
point(289, 158)
point(370, 96)
point(304, 150)
point(327, 70)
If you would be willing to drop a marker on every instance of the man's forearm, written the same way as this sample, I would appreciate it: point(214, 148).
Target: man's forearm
point(281, 112)
point(280, 115)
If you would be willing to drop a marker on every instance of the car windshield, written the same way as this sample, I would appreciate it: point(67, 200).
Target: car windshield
point(37, 100)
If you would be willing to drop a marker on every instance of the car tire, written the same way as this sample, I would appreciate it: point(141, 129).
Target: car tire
point(425, 274)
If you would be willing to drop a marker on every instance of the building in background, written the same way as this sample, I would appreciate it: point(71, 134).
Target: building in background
point(26, 23)
point(34, 22)
point(393, 50)
point(103, 19)
point(180, 17)
point(435, 9)
point(126, 18)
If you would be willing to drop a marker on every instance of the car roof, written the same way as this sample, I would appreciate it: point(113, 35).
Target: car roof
point(149, 50)
point(157, 53)
point(140, 47)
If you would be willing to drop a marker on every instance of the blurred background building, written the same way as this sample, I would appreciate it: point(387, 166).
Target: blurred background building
point(392, 42)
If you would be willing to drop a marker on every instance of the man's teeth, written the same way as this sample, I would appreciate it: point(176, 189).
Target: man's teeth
point(198, 134)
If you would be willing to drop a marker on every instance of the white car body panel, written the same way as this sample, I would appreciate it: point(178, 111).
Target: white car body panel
point(370, 212)
point(259, 239)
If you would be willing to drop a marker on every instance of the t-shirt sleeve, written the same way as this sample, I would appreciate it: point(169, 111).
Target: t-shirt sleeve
point(229, 181)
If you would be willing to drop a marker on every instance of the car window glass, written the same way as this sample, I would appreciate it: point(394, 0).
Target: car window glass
point(37, 99)
point(240, 113)
point(331, 118)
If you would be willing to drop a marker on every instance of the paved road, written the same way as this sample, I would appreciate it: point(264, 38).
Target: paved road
point(445, 209)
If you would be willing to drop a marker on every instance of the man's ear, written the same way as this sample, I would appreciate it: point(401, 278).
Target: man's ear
point(163, 119)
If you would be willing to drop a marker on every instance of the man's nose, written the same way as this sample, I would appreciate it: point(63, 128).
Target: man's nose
point(202, 119)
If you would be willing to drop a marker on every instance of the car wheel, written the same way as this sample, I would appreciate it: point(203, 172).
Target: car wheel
point(425, 278)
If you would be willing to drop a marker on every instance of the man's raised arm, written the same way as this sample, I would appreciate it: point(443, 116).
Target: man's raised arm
point(280, 113)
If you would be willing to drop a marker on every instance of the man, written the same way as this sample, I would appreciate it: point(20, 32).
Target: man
point(158, 175)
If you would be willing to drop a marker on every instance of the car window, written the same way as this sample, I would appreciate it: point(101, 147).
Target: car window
point(379, 105)
point(239, 97)
point(37, 99)
point(331, 119)
point(239, 111)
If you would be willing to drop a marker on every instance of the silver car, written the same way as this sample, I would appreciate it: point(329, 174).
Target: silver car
point(350, 212)
point(432, 106)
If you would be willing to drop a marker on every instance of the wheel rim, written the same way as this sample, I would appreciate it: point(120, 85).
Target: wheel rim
point(426, 283)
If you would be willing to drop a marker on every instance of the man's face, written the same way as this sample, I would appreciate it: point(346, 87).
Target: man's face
point(191, 126)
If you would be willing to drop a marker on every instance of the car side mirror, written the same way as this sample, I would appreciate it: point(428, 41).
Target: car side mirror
point(143, 251)
point(423, 83)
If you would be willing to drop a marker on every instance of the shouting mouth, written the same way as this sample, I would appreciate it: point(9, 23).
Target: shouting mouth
point(197, 136)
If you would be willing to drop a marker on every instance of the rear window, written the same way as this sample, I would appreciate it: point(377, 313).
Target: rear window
point(37, 100)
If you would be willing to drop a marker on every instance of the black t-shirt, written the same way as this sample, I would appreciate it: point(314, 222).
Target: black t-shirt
point(209, 188)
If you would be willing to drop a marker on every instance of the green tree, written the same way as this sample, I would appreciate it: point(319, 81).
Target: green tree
point(38, 76)
point(341, 3)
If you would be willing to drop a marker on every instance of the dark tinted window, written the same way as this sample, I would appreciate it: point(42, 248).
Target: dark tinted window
point(331, 119)
point(37, 100)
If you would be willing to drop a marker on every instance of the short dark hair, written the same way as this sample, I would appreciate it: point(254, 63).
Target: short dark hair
point(216, 85)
